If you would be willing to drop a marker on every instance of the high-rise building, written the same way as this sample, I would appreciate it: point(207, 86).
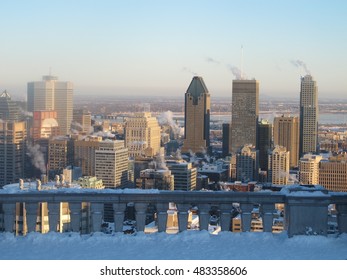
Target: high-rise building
point(264, 143)
point(197, 118)
point(245, 112)
point(9, 109)
point(308, 115)
point(60, 154)
point(333, 173)
point(286, 134)
point(51, 94)
point(279, 166)
point(82, 120)
point(84, 155)
point(12, 151)
point(111, 163)
point(309, 169)
point(142, 135)
point(247, 164)
point(184, 175)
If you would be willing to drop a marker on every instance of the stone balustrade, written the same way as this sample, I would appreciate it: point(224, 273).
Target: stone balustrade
point(304, 212)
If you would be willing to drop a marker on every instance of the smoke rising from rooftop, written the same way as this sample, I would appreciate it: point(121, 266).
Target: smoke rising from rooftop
point(300, 64)
point(37, 157)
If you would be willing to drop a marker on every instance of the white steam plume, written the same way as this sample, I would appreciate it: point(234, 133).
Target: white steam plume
point(36, 156)
point(300, 64)
point(236, 72)
point(166, 118)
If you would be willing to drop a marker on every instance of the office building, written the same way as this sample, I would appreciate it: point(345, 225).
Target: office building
point(9, 109)
point(197, 118)
point(278, 170)
point(333, 173)
point(84, 153)
point(111, 164)
point(142, 135)
point(264, 143)
point(12, 151)
point(184, 175)
point(245, 111)
point(247, 164)
point(309, 169)
point(308, 116)
point(60, 154)
point(286, 134)
point(51, 94)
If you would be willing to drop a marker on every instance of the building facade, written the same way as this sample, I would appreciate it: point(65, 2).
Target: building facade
point(333, 173)
point(308, 116)
point(247, 164)
point(111, 163)
point(245, 113)
point(286, 134)
point(51, 94)
point(264, 143)
point(142, 135)
point(309, 169)
point(12, 151)
point(279, 166)
point(197, 118)
point(184, 175)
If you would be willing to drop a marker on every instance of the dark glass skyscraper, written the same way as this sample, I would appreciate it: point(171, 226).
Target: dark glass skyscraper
point(197, 118)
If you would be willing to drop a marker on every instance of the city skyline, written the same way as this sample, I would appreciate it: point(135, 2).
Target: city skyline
point(102, 47)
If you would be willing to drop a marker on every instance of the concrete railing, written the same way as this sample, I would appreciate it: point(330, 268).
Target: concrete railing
point(305, 212)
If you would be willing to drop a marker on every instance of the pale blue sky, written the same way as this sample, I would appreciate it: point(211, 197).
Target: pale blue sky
point(155, 47)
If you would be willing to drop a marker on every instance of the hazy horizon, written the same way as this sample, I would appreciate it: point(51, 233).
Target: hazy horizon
point(156, 47)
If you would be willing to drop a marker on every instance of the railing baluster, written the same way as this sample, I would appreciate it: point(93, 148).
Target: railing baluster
point(342, 217)
point(246, 216)
point(183, 216)
point(9, 216)
point(141, 209)
point(75, 216)
point(267, 216)
point(204, 216)
point(96, 210)
point(162, 216)
point(118, 215)
point(225, 216)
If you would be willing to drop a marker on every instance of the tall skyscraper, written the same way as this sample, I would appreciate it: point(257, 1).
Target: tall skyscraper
point(142, 135)
point(12, 151)
point(51, 94)
point(197, 117)
point(279, 166)
point(13, 136)
point(286, 134)
point(308, 115)
point(245, 112)
point(9, 109)
point(264, 143)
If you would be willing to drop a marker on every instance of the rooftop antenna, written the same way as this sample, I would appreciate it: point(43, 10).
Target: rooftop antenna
point(241, 62)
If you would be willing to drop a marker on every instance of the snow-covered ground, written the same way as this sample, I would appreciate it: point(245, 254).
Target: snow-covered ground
point(162, 246)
